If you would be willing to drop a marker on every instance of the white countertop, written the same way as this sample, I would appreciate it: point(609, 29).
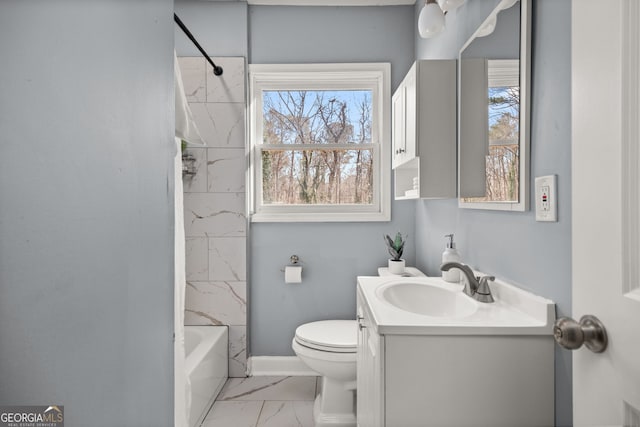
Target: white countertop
point(514, 312)
point(408, 272)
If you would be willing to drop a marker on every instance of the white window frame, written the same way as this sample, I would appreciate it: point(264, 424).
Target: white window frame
point(364, 76)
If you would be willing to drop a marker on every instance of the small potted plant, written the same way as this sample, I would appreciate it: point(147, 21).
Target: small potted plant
point(395, 247)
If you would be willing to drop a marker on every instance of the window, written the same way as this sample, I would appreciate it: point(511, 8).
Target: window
point(320, 142)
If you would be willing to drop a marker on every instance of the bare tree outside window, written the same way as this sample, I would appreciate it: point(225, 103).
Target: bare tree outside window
point(503, 159)
point(316, 147)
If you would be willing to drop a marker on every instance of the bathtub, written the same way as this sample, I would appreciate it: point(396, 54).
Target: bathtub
point(207, 366)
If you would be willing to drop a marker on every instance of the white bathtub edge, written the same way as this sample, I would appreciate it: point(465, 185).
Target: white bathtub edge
point(207, 368)
point(289, 366)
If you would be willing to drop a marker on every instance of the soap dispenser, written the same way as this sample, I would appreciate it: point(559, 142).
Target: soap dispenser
point(451, 254)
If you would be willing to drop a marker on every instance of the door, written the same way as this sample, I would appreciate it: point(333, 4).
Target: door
point(606, 208)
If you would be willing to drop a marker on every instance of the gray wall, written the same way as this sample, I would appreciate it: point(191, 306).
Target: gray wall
point(219, 26)
point(513, 246)
point(332, 254)
point(86, 218)
point(283, 35)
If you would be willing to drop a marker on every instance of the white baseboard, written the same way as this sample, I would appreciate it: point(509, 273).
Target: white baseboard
point(289, 366)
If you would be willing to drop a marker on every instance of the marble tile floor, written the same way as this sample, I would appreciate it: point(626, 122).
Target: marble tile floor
point(264, 402)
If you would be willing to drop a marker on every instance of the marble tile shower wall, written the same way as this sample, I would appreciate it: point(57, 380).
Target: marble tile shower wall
point(214, 203)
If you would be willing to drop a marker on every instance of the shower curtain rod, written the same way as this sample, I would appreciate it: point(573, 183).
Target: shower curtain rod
point(217, 70)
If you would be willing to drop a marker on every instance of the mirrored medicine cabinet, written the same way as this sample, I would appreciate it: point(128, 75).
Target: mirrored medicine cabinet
point(493, 116)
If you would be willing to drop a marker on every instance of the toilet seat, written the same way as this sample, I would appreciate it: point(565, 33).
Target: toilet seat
point(335, 336)
point(322, 355)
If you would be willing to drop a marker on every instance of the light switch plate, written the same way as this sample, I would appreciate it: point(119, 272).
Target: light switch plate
point(546, 198)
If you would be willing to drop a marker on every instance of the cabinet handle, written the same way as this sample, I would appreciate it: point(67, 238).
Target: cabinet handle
point(401, 150)
point(361, 326)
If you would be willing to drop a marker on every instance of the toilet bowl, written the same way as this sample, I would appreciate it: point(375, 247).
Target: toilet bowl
point(329, 348)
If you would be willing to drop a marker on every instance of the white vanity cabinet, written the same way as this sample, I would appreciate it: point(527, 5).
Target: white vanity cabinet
point(423, 112)
point(370, 396)
point(429, 379)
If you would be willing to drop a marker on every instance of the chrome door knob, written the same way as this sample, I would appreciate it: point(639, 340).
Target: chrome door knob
point(589, 331)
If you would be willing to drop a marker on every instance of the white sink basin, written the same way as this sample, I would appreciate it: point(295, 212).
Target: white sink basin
point(428, 299)
point(431, 306)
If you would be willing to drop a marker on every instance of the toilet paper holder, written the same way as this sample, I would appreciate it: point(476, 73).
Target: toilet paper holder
point(293, 271)
point(293, 260)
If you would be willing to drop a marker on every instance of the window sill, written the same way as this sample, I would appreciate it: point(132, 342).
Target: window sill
point(322, 217)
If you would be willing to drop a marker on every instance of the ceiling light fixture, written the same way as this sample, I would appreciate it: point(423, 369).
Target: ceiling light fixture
point(431, 20)
point(449, 5)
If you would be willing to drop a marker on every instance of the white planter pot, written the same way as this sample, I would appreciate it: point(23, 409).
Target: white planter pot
point(396, 267)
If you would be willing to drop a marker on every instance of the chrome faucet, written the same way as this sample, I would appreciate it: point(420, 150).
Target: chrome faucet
point(475, 286)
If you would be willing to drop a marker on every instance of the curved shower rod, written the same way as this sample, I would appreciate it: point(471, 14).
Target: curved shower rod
point(217, 70)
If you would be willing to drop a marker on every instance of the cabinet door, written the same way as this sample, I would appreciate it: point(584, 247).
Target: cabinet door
point(375, 348)
point(398, 126)
point(363, 366)
point(370, 385)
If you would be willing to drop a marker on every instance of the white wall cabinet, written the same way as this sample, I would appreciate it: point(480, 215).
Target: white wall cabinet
point(452, 380)
point(424, 131)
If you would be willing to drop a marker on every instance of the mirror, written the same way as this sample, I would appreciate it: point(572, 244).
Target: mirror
point(493, 89)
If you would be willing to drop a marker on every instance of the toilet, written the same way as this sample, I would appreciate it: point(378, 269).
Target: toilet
point(329, 348)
